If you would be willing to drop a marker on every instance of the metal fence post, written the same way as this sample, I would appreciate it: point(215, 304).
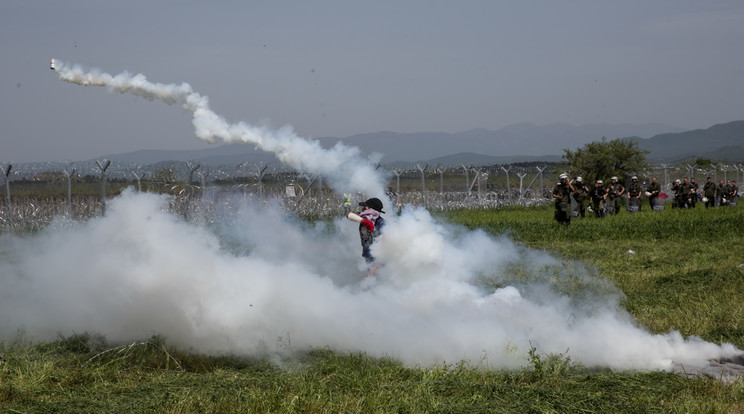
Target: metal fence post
point(6, 173)
point(69, 175)
point(103, 165)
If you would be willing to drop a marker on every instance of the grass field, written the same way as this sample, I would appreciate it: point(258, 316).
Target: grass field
point(683, 274)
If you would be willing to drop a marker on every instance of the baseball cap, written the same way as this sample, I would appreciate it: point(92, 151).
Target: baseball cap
point(373, 203)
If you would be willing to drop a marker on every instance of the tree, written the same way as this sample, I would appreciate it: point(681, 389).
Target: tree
point(600, 160)
point(703, 163)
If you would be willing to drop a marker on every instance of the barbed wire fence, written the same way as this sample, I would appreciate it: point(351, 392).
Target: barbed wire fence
point(196, 191)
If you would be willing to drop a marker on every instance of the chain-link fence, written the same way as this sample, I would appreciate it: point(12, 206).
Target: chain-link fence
point(37, 193)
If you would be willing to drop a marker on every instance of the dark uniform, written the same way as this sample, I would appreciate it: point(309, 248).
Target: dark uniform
point(734, 191)
point(678, 196)
point(580, 193)
point(686, 194)
point(654, 189)
point(729, 193)
point(562, 197)
point(598, 195)
point(721, 193)
point(634, 193)
point(614, 191)
point(693, 192)
point(710, 192)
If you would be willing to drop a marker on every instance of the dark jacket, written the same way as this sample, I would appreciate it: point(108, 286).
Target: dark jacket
point(368, 238)
point(598, 193)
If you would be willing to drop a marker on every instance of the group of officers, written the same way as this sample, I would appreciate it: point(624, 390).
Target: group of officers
point(607, 199)
point(687, 193)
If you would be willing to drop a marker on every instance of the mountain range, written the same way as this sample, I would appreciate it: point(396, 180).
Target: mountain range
point(514, 143)
point(721, 142)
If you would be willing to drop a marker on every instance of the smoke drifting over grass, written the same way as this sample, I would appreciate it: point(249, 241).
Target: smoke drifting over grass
point(445, 293)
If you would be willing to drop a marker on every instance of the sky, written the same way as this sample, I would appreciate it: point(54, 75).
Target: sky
point(339, 68)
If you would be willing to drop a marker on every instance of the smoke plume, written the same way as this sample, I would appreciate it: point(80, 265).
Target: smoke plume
point(346, 170)
point(261, 281)
point(445, 294)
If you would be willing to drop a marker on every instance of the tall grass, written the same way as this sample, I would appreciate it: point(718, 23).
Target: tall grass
point(58, 378)
point(678, 268)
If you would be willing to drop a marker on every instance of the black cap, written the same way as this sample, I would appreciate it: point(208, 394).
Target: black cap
point(373, 203)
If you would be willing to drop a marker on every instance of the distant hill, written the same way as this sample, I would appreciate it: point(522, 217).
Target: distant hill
point(514, 143)
point(726, 154)
point(219, 155)
point(523, 140)
point(469, 158)
point(721, 142)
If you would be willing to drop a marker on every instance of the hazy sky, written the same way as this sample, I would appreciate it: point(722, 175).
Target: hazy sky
point(338, 68)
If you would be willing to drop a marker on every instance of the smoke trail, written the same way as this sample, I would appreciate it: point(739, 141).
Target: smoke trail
point(344, 166)
point(445, 293)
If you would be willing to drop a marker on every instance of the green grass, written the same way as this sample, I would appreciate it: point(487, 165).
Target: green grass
point(683, 275)
point(140, 377)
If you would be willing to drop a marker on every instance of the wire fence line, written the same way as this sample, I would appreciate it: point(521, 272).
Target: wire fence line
point(38, 193)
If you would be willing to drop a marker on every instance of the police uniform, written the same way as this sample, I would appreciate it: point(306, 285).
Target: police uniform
point(693, 192)
point(678, 195)
point(598, 195)
point(614, 192)
point(686, 190)
point(710, 192)
point(634, 193)
point(654, 189)
point(562, 196)
point(580, 192)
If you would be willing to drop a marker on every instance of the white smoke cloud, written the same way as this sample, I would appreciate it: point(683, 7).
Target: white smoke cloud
point(346, 170)
point(444, 294)
point(140, 271)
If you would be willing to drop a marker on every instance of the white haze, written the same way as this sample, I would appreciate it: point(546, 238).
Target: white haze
point(236, 288)
point(445, 294)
